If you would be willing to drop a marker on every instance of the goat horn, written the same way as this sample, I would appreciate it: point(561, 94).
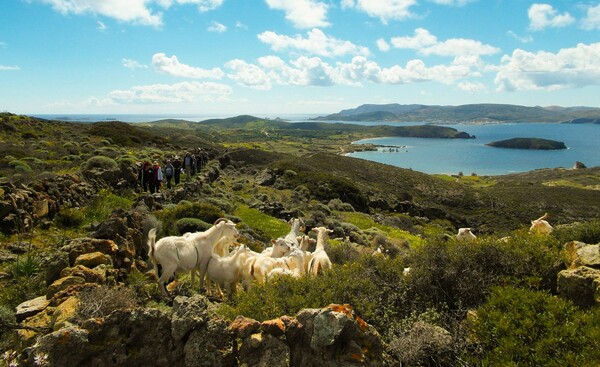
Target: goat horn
point(220, 220)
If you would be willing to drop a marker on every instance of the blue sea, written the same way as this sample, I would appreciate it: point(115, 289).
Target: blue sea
point(447, 156)
point(452, 156)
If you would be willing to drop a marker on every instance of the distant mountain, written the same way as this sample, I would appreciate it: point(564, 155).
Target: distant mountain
point(474, 113)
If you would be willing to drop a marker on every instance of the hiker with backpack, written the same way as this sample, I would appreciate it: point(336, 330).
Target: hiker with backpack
point(169, 173)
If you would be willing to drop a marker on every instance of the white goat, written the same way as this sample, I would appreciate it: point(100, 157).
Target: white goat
point(305, 243)
point(227, 270)
point(187, 253)
point(465, 234)
point(320, 261)
point(280, 248)
point(296, 225)
point(541, 226)
point(292, 264)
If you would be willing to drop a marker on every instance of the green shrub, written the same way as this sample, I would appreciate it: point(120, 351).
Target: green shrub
point(103, 204)
point(519, 327)
point(101, 162)
point(20, 166)
point(27, 281)
point(342, 252)
point(184, 225)
point(70, 217)
point(460, 274)
point(373, 286)
point(584, 232)
point(202, 211)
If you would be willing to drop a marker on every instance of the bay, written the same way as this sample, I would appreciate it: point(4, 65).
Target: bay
point(452, 156)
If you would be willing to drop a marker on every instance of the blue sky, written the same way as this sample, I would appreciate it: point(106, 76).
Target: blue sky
point(277, 57)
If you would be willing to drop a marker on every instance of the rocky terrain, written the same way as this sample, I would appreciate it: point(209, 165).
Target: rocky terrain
point(79, 289)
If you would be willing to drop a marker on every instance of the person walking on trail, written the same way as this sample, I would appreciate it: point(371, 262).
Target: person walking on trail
point(177, 167)
point(145, 175)
point(156, 179)
point(187, 164)
point(169, 172)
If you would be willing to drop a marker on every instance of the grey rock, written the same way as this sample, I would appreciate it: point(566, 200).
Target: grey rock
point(31, 307)
point(578, 285)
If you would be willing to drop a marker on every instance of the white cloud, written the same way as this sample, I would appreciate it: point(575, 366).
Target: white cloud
point(471, 87)
point(172, 66)
point(315, 43)
point(133, 64)
point(542, 16)
point(135, 11)
point(302, 13)
point(428, 44)
point(453, 2)
point(239, 24)
point(522, 39)
point(248, 74)
point(385, 10)
point(216, 27)
point(592, 18)
point(101, 26)
point(382, 45)
point(422, 38)
point(305, 71)
point(203, 5)
point(172, 93)
point(7, 68)
point(569, 68)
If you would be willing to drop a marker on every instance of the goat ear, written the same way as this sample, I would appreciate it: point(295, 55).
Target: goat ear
point(273, 241)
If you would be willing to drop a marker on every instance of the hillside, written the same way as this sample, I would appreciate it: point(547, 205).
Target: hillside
point(78, 288)
point(475, 113)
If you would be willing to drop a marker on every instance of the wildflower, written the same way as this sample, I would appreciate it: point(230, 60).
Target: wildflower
point(40, 359)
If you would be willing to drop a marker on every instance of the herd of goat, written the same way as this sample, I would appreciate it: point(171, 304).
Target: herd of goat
point(208, 254)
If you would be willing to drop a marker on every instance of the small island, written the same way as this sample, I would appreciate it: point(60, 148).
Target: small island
point(528, 143)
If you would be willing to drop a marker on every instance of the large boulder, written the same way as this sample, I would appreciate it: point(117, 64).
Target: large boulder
point(579, 285)
point(31, 307)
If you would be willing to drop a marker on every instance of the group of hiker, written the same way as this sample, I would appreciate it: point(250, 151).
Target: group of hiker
point(151, 176)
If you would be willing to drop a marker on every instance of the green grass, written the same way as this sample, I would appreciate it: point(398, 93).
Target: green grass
point(364, 221)
point(269, 226)
point(103, 206)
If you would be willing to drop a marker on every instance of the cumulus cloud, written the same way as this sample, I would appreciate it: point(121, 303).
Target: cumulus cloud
point(216, 27)
point(568, 68)
point(385, 10)
point(134, 11)
point(302, 13)
point(172, 93)
point(316, 43)
point(8, 68)
point(172, 66)
point(428, 44)
point(542, 16)
point(592, 18)
point(203, 5)
point(313, 71)
point(133, 64)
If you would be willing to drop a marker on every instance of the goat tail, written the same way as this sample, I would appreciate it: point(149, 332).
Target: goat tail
point(152, 249)
point(311, 267)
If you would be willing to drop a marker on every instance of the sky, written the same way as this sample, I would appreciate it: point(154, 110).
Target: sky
point(281, 57)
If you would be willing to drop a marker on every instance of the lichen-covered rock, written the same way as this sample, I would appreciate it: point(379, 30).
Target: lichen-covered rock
point(244, 326)
point(36, 325)
point(62, 284)
point(577, 285)
point(588, 255)
point(65, 347)
point(188, 313)
point(31, 307)
point(65, 313)
point(264, 350)
point(96, 275)
point(80, 246)
point(93, 259)
point(210, 346)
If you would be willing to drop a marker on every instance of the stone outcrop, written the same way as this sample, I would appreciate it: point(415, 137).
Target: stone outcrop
point(580, 283)
point(190, 335)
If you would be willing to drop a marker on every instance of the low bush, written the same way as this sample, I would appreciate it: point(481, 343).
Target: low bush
point(103, 204)
point(70, 218)
point(184, 225)
point(520, 327)
point(205, 212)
point(102, 301)
point(100, 162)
point(584, 232)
